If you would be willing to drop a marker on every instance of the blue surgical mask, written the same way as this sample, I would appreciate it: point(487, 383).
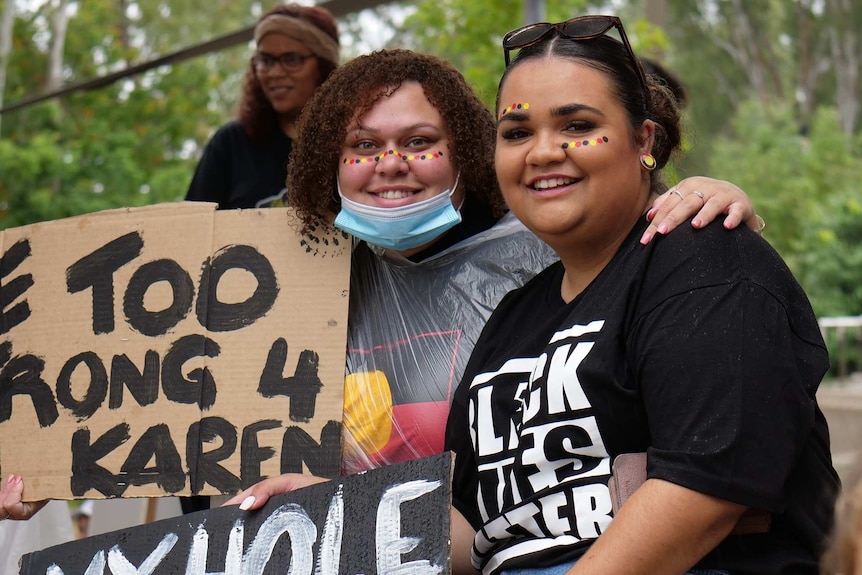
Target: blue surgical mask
point(401, 228)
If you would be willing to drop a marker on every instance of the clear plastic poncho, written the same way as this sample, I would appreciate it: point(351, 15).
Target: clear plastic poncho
point(412, 327)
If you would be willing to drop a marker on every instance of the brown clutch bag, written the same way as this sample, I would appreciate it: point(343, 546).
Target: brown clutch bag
point(628, 472)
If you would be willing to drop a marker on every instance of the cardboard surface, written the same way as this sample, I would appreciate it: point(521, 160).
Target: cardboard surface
point(172, 349)
point(390, 520)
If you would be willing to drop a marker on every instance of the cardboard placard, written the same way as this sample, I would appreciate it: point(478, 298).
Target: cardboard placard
point(390, 520)
point(171, 349)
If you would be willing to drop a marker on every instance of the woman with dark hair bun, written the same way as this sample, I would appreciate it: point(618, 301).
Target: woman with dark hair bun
point(245, 163)
point(684, 372)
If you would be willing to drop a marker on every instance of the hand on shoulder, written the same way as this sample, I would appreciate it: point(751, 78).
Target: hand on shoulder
point(702, 199)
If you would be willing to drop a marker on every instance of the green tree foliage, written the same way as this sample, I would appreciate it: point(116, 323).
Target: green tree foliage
point(468, 34)
point(802, 54)
point(773, 86)
point(807, 188)
point(831, 257)
point(127, 144)
point(774, 96)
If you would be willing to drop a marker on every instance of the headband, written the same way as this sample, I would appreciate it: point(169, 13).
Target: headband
point(319, 42)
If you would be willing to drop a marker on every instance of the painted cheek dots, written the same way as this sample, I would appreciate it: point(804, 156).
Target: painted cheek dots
point(585, 143)
point(404, 157)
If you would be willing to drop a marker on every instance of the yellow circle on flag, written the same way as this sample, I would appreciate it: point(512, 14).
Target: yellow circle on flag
point(368, 410)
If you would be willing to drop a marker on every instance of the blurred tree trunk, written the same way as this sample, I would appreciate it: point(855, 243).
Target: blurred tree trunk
point(749, 48)
point(845, 46)
point(59, 23)
point(8, 19)
point(124, 24)
point(809, 70)
point(656, 12)
point(534, 11)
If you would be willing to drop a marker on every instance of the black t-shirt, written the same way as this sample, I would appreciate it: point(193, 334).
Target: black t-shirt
point(700, 349)
point(238, 172)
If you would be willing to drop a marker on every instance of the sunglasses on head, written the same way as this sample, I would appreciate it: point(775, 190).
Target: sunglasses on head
point(581, 28)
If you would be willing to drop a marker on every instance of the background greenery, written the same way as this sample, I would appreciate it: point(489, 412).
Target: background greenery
point(774, 103)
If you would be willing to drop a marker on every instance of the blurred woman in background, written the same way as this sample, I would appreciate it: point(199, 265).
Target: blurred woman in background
point(245, 163)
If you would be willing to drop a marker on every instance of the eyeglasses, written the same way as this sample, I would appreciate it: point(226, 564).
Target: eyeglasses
point(581, 28)
point(289, 61)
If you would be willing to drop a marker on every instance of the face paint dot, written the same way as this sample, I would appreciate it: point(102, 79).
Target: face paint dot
point(515, 106)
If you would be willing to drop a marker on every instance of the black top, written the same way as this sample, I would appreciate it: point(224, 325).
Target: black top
point(237, 172)
point(700, 349)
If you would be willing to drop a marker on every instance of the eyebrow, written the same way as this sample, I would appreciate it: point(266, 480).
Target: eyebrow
point(558, 112)
point(410, 128)
point(569, 109)
point(514, 116)
point(271, 55)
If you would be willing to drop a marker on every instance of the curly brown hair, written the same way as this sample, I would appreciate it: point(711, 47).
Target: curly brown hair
point(353, 90)
point(256, 114)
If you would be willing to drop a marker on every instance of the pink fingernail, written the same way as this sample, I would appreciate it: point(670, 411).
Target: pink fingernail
point(662, 229)
point(646, 238)
point(696, 222)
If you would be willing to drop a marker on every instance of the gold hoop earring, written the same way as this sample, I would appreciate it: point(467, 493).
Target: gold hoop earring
point(648, 162)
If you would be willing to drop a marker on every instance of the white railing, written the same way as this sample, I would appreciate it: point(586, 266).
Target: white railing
point(848, 333)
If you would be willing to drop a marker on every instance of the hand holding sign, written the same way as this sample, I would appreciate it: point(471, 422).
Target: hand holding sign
point(11, 505)
point(257, 495)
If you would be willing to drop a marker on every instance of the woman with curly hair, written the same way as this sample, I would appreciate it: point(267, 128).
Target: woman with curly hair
point(245, 163)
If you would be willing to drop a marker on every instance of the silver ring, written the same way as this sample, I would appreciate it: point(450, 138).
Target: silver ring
point(675, 191)
point(699, 195)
